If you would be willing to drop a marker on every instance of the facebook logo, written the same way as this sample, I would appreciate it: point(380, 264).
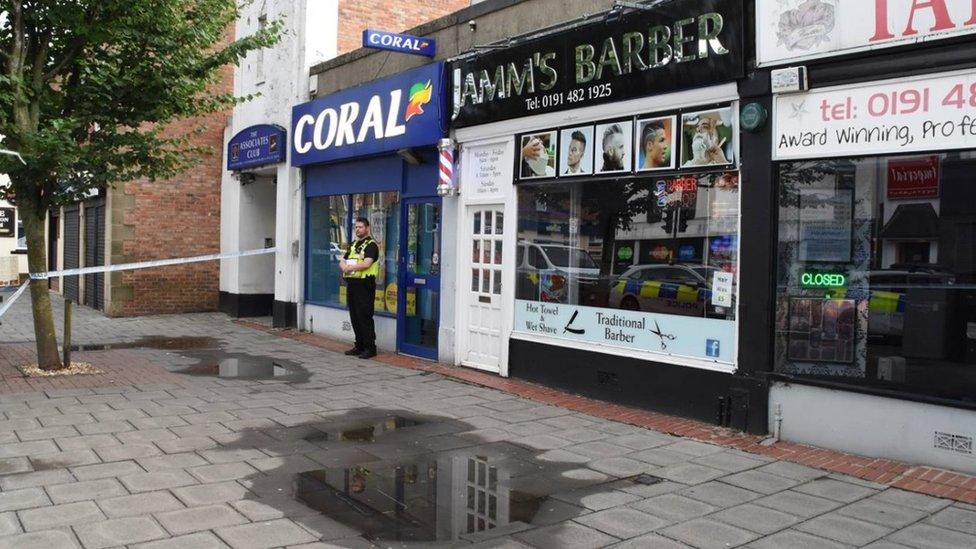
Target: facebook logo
point(713, 348)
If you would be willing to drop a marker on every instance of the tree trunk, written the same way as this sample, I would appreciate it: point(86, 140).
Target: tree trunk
point(47, 342)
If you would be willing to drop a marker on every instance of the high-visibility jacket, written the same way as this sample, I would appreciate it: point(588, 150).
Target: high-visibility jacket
point(358, 252)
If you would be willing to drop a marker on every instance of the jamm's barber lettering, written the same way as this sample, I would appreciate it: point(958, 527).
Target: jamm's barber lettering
point(634, 51)
point(662, 45)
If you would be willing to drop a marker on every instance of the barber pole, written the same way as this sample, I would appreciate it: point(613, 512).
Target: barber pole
point(445, 184)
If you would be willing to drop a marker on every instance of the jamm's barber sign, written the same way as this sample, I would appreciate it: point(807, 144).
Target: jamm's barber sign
point(789, 31)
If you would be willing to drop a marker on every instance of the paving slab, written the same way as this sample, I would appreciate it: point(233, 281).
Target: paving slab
point(68, 514)
point(884, 514)
point(87, 490)
point(955, 518)
point(116, 532)
point(196, 519)
point(720, 494)
point(926, 536)
point(9, 524)
point(139, 504)
point(260, 535)
point(761, 520)
point(199, 540)
point(622, 522)
point(51, 539)
point(844, 529)
point(793, 539)
point(706, 533)
point(674, 508)
point(568, 535)
point(843, 492)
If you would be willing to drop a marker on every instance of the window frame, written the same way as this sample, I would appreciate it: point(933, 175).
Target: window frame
point(900, 282)
point(350, 215)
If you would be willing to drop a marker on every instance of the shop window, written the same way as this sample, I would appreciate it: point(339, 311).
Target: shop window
point(653, 261)
point(329, 233)
point(21, 236)
point(877, 272)
point(383, 212)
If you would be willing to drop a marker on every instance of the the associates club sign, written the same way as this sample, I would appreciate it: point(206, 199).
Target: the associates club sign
point(644, 52)
point(789, 31)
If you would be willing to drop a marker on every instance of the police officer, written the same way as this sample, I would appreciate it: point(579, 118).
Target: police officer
point(360, 267)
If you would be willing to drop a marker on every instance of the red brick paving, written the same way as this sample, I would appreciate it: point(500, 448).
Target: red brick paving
point(119, 367)
point(925, 480)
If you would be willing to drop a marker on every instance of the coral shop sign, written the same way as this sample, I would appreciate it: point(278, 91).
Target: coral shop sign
point(797, 30)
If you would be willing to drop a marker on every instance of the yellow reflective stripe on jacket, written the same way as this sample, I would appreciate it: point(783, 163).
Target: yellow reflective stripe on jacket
point(359, 255)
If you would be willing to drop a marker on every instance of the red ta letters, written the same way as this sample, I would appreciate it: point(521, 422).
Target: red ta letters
point(939, 11)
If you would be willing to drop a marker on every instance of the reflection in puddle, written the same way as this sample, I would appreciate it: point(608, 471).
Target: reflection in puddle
point(367, 432)
point(164, 343)
point(243, 367)
point(439, 498)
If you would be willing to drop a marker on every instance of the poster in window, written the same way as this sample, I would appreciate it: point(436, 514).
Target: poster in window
point(537, 158)
point(707, 138)
point(826, 225)
point(576, 151)
point(822, 330)
point(616, 146)
point(655, 140)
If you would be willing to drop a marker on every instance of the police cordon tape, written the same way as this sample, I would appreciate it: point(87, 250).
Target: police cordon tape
point(5, 306)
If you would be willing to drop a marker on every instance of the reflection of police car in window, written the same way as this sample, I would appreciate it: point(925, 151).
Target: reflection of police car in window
point(683, 289)
point(545, 270)
point(892, 290)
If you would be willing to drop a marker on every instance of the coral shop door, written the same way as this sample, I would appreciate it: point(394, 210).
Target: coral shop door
point(419, 309)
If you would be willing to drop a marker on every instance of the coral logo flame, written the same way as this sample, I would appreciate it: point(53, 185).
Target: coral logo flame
point(420, 94)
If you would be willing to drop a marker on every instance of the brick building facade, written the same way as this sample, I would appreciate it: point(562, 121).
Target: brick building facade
point(356, 15)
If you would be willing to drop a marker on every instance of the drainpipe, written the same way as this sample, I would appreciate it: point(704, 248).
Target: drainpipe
point(777, 422)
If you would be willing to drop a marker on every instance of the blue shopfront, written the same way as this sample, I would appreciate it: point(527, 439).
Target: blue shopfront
point(371, 151)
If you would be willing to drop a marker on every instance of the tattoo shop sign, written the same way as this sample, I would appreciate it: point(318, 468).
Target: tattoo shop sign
point(928, 113)
point(705, 339)
point(789, 31)
point(643, 52)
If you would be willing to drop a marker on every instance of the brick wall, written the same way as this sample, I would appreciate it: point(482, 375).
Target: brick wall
point(356, 15)
point(178, 217)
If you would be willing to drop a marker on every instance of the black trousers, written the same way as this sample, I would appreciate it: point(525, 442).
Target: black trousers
point(361, 293)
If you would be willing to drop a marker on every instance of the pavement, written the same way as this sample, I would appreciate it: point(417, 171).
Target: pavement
point(331, 451)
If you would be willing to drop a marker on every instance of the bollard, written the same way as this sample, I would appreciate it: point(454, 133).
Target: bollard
point(67, 333)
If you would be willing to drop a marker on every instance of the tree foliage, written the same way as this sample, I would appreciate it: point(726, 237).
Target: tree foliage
point(87, 90)
point(88, 87)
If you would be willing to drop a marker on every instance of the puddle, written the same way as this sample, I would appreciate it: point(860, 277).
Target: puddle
point(178, 343)
point(231, 366)
point(438, 498)
point(399, 478)
point(367, 432)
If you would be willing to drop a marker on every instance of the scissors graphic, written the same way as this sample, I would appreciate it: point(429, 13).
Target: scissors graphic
point(657, 331)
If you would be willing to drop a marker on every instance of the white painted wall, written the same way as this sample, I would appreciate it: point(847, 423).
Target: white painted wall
point(334, 323)
point(278, 77)
point(871, 426)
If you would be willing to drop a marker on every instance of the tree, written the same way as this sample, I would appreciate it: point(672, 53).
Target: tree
point(87, 90)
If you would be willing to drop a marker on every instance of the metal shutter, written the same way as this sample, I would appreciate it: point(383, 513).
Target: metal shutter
point(95, 253)
point(72, 245)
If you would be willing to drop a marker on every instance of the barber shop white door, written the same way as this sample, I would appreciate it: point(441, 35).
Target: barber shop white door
point(481, 282)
